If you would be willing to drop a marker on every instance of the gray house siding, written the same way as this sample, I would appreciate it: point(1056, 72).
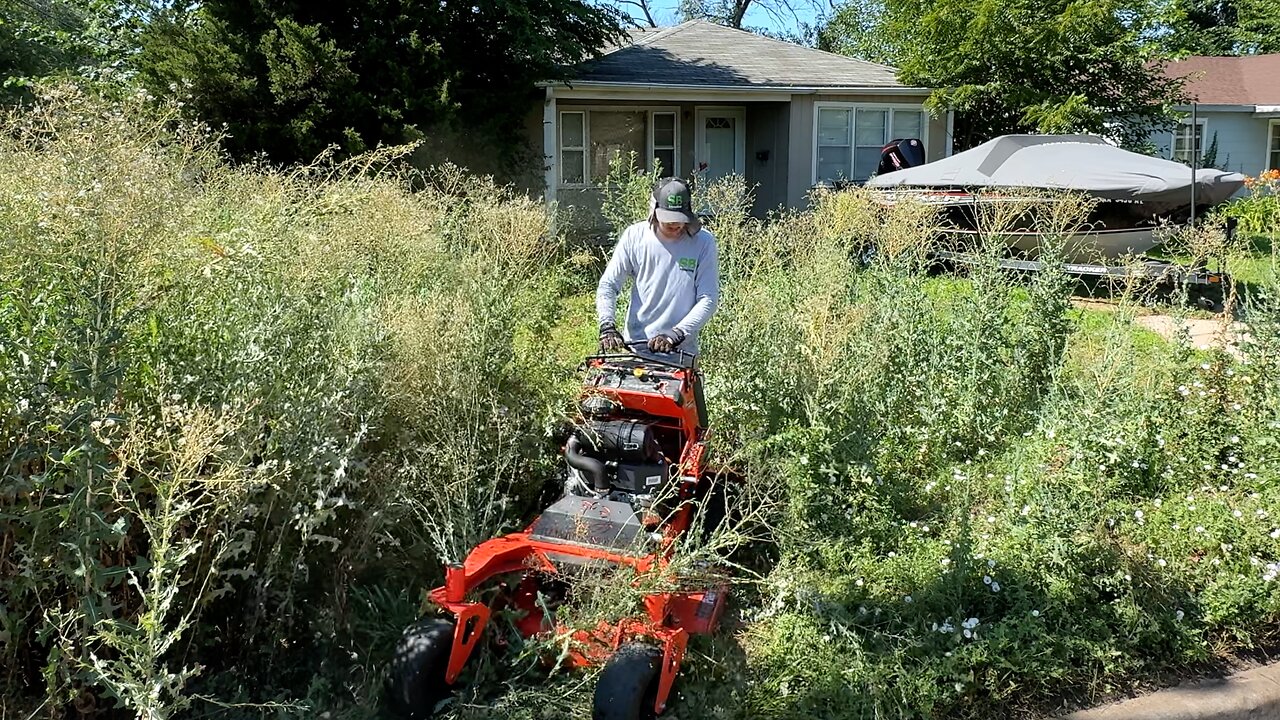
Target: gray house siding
point(768, 129)
point(800, 150)
point(1242, 140)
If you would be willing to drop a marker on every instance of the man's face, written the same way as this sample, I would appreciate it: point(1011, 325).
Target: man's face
point(670, 230)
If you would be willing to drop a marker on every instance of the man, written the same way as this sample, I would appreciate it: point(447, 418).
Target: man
point(671, 260)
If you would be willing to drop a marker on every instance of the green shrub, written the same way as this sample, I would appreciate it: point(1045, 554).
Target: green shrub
point(1259, 210)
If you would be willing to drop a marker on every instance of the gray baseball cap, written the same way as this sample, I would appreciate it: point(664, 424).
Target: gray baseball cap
point(672, 202)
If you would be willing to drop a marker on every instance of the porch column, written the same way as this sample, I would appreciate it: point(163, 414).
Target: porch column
point(951, 134)
point(550, 148)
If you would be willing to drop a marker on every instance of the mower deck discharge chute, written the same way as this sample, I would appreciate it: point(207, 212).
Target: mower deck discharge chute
point(636, 479)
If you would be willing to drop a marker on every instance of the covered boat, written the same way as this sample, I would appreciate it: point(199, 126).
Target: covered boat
point(1136, 193)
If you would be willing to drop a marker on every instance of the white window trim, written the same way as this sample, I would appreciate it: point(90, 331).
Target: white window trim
point(853, 141)
point(1273, 130)
point(561, 148)
point(586, 110)
point(673, 171)
point(1197, 151)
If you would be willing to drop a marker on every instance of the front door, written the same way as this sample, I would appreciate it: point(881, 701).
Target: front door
point(720, 141)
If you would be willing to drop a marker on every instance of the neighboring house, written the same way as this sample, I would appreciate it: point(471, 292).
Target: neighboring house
point(1237, 103)
point(706, 99)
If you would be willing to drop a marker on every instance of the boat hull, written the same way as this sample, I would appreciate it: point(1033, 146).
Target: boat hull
point(1085, 247)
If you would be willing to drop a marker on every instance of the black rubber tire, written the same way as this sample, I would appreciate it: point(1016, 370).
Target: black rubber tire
point(715, 505)
point(415, 685)
point(628, 685)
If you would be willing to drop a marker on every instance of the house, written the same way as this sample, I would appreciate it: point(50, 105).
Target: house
point(707, 99)
point(1237, 105)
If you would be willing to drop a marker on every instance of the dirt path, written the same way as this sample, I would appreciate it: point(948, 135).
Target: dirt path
point(1201, 333)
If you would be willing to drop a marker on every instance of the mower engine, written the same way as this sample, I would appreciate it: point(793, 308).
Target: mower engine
point(616, 459)
point(639, 436)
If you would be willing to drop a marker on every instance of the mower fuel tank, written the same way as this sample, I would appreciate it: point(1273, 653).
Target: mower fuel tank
point(589, 521)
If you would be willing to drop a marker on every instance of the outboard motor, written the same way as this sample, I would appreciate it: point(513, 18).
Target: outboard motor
point(900, 154)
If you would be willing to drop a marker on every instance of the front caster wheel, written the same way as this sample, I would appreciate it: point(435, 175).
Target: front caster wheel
point(628, 685)
point(416, 683)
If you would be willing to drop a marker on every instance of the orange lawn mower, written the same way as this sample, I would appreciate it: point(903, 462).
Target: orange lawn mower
point(636, 480)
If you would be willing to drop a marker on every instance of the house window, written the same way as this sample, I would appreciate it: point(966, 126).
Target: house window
point(1188, 141)
point(591, 138)
point(573, 148)
point(663, 142)
point(1273, 145)
point(615, 133)
point(835, 139)
point(849, 138)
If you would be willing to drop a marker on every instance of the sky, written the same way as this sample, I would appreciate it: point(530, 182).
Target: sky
point(806, 11)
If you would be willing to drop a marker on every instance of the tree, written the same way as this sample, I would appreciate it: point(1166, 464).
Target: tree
point(858, 30)
point(734, 12)
point(1223, 27)
point(1050, 66)
point(84, 38)
point(292, 77)
point(644, 6)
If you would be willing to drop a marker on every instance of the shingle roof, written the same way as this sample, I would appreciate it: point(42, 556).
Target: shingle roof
point(1246, 80)
point(699, 52)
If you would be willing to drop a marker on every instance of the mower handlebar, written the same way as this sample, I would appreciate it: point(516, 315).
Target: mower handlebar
point(684, 360)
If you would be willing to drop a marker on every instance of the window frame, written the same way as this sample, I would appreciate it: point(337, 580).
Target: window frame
point(1197, 139)
point(1273, 152)
point(673, 171)
point(853, 108)
point(561, 148)
point(588, 182)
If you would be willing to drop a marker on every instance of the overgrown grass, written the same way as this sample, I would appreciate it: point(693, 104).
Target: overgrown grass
point(249, 411)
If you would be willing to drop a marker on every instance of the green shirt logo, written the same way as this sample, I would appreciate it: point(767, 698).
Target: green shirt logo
point(688, 264)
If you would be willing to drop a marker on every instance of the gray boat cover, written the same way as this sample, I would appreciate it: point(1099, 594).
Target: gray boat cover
point(1073, 162)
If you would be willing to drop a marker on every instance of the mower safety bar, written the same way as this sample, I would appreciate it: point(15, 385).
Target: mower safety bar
point(691, 364)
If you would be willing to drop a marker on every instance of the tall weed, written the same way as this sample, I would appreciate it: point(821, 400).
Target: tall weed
point(236, 395)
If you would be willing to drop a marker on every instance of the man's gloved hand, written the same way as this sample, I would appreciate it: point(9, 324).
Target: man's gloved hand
point(666, 341)
point(610, 339)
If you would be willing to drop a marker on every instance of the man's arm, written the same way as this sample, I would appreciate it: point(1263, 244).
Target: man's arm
point(707, 289)
point(621, 266)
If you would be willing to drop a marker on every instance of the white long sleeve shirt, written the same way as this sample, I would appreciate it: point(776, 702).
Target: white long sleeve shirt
point(675, 284)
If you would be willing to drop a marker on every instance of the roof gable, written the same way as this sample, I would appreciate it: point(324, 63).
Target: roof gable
point(1244, 80)
point(699, 52)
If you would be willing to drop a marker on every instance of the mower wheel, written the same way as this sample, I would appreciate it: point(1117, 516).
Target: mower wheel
point(416, 684)
point(715, 505)
point(628, 685)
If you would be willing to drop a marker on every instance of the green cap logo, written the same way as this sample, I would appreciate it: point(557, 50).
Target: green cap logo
point(675, 201)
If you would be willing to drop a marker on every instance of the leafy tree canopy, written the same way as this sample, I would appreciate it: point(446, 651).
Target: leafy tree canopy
point(83, 38)
point(1222, 27)
point(293, 77)
point(1050, 66)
